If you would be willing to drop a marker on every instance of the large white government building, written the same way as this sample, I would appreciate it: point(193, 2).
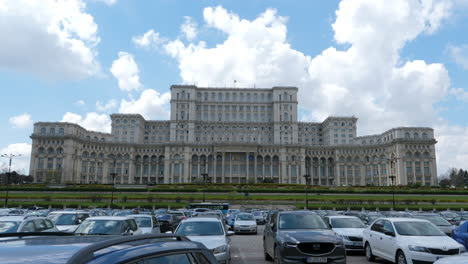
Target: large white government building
point(234, 136)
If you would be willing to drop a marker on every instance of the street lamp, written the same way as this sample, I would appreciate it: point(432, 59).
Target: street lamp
point(392, 178)
point(205, 176)
point(307, 179)
point(10, 157)
point(113, 174)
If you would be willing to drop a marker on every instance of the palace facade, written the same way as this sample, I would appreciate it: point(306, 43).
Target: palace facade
point(232, 135)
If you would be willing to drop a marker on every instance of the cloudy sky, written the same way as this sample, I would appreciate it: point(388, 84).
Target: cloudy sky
point(390, 63)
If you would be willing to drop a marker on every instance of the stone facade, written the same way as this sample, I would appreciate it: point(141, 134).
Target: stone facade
point(235, 136)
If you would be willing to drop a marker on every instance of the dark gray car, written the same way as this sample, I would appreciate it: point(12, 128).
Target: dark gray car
point(301, 237)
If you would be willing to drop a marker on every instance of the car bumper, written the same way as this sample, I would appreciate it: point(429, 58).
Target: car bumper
point(292, 255)
point(423, 258)
point(354, 245)
point(245, 229)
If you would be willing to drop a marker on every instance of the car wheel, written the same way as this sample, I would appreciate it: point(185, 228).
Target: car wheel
point(368, 251)
point(400, 257)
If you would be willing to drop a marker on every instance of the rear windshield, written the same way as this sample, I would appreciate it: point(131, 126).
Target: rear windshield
point(9, 226)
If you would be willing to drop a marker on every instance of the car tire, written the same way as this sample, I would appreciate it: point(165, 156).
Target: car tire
point(400, 257)
point(368, 251)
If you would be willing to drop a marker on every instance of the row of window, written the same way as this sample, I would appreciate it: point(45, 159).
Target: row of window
point(52, 131)
point(230, 97)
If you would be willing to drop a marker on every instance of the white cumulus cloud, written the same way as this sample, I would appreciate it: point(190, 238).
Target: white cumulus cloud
point(126, 71)
point(189, 28)
point(53, 39)
point(92, 121)
point(21, 121)
point(103, 107)
point(151, 105)
point(459, 54)
point(150, 39)
point(19, 164)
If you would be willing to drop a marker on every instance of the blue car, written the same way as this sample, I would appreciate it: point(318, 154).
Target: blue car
point(460, 234)
point(60, 249)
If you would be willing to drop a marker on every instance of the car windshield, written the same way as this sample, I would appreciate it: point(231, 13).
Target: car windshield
point(143, 221)
point(200, 229)
point(257, 213)
point(100, 227)
point(9, 226)
point(371, 218)
point(347, 223)
point(450, 215)
point(244, 217)
point(417, 229)
point(435, 219)
point(301, 221)
point(64, 219)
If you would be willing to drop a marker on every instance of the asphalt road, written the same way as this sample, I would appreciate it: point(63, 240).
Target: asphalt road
point(248, 249)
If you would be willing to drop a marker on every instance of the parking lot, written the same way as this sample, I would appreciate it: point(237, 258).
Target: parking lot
point(248, 249)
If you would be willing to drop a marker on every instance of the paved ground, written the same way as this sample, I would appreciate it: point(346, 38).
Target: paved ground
point(248, 249)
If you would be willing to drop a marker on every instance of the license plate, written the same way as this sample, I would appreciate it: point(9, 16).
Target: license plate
point(316, 260)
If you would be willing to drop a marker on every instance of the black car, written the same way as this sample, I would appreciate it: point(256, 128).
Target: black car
point(167, 222)
point(60, 248)
point(301, 237)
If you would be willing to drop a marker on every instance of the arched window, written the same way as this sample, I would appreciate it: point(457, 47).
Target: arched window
point(52, 131)
point(59, 151)
point(84, 155)
point(41, 150)
point(416, 135)
point(285, 116)
point(92, 155)
point(43, 131)
point(426, 155)
point(50, 151)
point(407, 135)
point(61, 131)
point(424, 135)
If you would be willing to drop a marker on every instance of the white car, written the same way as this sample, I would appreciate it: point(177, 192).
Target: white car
point(350, 228)
point(108, 225)
point(211, 233)
point(68, 221)
point(460, 259)
point(14, 224)
point(147, 223)
point(245, 223)
point(408, 241)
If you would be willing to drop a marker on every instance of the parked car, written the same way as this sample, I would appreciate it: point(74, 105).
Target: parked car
point(17, 224)
point(179, 216)
point(210, 232)
point(301, 237)
point(258, 215)
point(167, 222)
point(452, 217)
point(370, 217)
point(439, 221)
point(108, 225)
point(350, 228)
point(460, 234)
point(149, 248)
point(148, 224)
point(68, 221)
point(245, 223)
point(408, 240)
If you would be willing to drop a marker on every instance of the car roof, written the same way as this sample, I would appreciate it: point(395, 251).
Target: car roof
point(69, 212)
point(55, 250)
point(12, 218)
point(402, 219)
point(342, 216)
point(115, 218)
point(202, 219)
point(140, 215)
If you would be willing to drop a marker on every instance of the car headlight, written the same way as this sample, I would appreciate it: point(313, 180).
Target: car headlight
point(289, 244)
point(418, 249)
point(220, 249)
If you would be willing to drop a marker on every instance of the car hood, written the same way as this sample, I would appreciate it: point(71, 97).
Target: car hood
point(67, 228)
point(299, 236)
point(356, 232)
point(210, 242)
point(430, 241)
point(252, 222)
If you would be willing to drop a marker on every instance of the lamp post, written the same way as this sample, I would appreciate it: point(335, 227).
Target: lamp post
point(205, 176)
point(392, 178)
point(113, 174)
point(10, 157)
point(307, 179)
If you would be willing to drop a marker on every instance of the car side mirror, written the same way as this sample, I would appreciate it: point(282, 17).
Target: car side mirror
point(230, 233)
point(389, 233)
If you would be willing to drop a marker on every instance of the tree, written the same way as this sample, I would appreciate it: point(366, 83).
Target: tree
point(444, 182)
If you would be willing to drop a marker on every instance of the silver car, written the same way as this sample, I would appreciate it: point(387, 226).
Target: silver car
point(14, 224)
point(211, 233)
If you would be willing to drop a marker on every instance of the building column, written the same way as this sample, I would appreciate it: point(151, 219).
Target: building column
point(247, 167)
point(255, 167)
point(222, 167)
